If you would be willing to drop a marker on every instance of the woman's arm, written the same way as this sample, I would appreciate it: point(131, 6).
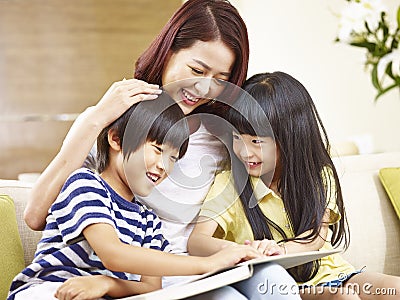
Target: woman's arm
point(201, 241)
point(78, 142)
point(120, 257)
point(96, 286)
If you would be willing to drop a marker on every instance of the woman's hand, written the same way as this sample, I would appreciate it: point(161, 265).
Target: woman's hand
point(121, 96)
point(266, 247)
point(83, 287)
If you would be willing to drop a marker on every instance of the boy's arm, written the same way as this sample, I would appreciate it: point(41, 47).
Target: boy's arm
point(96, 286)
point(120, 257)
point(201, 241)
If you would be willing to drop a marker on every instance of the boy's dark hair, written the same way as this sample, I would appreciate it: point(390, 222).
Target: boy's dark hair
point(161, 121)
point(279, 106)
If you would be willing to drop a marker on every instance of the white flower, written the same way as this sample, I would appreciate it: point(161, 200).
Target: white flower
point(394, 58)
point(355, 15)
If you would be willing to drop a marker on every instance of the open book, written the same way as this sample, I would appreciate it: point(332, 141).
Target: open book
point(213, 280)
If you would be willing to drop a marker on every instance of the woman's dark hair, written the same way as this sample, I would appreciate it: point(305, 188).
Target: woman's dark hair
point(198, 20)
point(286, 112)
point(161, 121)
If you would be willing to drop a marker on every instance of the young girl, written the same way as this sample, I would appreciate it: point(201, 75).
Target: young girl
point(96, 227)
point(289, 191)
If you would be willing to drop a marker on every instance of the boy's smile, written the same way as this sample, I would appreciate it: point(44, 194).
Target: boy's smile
point(148, 166)
point(153, 177)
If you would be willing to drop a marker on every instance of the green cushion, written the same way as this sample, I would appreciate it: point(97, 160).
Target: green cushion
point(390, 178)
point(11, 252)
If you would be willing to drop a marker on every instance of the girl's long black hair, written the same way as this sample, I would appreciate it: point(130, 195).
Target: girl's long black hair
point(277, 105)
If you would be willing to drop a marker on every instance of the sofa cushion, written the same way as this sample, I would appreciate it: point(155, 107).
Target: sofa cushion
point(19, 192)
point(374, 225)
point(390, 178)
point(11, 252)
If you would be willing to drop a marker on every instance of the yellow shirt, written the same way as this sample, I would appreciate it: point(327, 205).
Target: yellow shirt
point(223, 205)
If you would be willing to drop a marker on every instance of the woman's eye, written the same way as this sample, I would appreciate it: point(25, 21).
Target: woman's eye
point(197, 71)
point(220, 82)
point(174, 159)
point(257, 141)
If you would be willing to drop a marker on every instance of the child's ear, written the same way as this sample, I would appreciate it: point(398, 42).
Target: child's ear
point(114, 140)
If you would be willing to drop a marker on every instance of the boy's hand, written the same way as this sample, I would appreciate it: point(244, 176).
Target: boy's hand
point(266, 247)
point(83, 287)
point(230, 256)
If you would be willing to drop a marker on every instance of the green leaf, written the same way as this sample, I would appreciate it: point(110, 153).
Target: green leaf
point(398, 17)
point(374, 78)
point(394, 44)
point(385, 90)
point(385, 29)
point(367, 27)
point(370, 46)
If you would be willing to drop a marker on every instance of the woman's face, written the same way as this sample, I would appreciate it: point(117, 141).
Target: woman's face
point(205, 66)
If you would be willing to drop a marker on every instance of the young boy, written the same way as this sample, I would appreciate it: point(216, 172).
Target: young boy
point(95, 227)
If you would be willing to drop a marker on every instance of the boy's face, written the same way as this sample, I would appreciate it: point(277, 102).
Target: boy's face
point(258, 154)
point(148, 166)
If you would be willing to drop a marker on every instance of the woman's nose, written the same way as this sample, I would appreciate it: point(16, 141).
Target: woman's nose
point(203, 86)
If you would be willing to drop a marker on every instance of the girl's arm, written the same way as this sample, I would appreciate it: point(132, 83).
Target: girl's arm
point(270, 247)
point(120, 257)
point(308, 245)
point(96, 286)
point(201, 241)
point(78, 142)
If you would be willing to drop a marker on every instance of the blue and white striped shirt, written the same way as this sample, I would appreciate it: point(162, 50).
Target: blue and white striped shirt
point(63, 252)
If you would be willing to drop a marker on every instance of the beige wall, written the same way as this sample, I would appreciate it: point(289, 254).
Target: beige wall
point(60, 57)
point(298, 37)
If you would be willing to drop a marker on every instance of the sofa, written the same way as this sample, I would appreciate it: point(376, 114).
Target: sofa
point(374, 224)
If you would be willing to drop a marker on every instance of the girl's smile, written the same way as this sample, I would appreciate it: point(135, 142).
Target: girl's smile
point(258, 154)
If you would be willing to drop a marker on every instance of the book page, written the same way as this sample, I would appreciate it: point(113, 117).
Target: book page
point(293, 259)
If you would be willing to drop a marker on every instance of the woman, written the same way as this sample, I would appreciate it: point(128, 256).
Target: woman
point(204, 39)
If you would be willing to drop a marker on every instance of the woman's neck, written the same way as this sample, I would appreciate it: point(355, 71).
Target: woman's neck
point(194, 124)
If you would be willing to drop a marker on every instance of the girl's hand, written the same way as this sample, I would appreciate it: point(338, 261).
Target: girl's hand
point(83, 287)
point(266, 247)
point(121, 96)
point(230, 256)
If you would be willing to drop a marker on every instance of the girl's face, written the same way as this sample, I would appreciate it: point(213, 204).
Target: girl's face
point(258, 154)
point(148, 166)
point(205, 65)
